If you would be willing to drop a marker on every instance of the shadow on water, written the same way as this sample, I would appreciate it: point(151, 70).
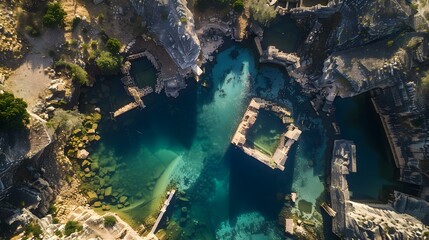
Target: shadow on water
point(376, 174)
point(284, 34)
point(256, 187)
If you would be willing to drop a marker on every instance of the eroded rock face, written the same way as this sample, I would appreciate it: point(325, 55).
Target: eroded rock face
point(173, 24)
point(378, 65)
point(363, 21)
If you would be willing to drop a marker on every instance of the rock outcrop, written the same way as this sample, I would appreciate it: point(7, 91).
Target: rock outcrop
point(378, 65)
point(92, 226)
point(173, 24)
point(355, 220)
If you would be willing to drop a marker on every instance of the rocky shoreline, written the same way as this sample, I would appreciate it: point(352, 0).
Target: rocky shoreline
point(344, 68)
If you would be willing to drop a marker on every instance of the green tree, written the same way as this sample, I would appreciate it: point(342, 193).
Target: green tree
point(113, 45)
point(109, 221)
point(13, 113)
point(54, 15)
point(77, 73)
point(71, 227)
point(107, 63)
point(34, 229)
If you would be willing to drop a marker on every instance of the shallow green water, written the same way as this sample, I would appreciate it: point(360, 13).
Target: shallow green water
point(265, 133)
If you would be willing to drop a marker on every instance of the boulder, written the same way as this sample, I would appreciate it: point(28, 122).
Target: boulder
point(108, 192)
point(85, 163)
point(102, 182)
point(123, 199)
point(92, 196)
point(82, 154)
point(95, 166)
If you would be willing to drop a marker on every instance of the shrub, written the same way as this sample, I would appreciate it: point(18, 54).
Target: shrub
point(34, 229)
point(390, 43)
point(100, 18)
point(113, 45)
point(261, 11)
point(13, 113)
point(58, 233)
point(109, 221)
point(78, 74)
point(54, 15)
point(71, 227)
point(52, 209)
point(32, 31)
point(238, 6)
point(107, 64)
point(75, 22)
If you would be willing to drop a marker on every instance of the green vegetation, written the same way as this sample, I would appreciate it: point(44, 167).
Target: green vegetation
point(54, 15)
point(13, 113)
point(78, 74)
point(261, 11)
point(100, 18)
point(52, 209)
point(109, 221)
point(65, 120)
point(183, 20)
point(304, 206)
point(58, 233)
point(107, 63)
point(33, 229)
point(75, 22)
point(113, 45)
point(32, 31)
point(71, 227)
point(390, 43)
point(238, 6)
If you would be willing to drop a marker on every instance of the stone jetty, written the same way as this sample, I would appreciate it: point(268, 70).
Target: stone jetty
point(131, 87)
point(151, 235)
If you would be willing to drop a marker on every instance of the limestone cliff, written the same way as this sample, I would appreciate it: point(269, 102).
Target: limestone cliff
point(173, 25)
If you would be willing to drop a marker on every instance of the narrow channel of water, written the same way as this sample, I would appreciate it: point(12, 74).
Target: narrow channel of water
point(376, 174)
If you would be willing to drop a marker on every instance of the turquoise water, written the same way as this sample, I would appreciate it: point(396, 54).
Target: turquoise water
point(186, 141)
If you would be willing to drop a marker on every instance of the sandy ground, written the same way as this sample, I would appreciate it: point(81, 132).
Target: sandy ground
point(29, 81)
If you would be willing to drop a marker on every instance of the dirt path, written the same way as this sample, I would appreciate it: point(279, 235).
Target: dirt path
point(29, 81)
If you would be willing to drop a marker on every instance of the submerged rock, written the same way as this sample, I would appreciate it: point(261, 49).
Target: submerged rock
point(108, 192)
point(92, 196)
point(123, 199)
